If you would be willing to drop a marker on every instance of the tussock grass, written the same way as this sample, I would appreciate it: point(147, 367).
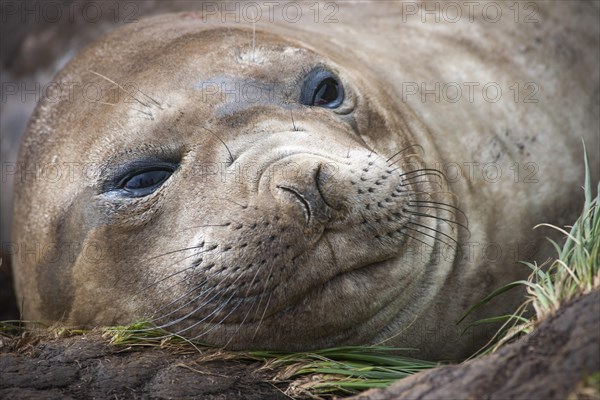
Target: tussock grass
point(19, 327)
point(139, 333)
point(327, 372)
point(348, 369)
point(321, 373)
point(574, 272)
point(11, 326)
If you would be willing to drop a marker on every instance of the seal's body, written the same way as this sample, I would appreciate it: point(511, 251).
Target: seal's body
point(307, 185)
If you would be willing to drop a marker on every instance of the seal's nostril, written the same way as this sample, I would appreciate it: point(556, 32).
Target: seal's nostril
point(321, 178)
point(300, 198)
point(317, 177)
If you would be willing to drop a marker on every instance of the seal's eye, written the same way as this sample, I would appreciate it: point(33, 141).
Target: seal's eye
point(145, 182)
point(322, 89)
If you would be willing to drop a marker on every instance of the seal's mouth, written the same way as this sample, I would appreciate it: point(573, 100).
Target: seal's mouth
point(336, 307)
point(362, 268)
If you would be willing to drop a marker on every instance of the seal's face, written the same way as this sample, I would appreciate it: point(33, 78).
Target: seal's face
point(250, 197)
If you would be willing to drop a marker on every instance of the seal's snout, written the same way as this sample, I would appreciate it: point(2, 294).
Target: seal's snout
point(300, 188)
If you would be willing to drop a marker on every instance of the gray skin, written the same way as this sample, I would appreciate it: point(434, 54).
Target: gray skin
point(293, 227)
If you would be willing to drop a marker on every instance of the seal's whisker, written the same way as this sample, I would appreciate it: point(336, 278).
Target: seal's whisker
point(225, 277)
point(120, 87)
point(437, 183)
point(231, 159)
point(184, 279)
point(195, 310)
point(426, 204)
point(204, 294)
point(254, 303)
point(241, 323)
point(225, 224)
point(451, 245)
point(168, 288)
point(223, 306)
point(152, 99)
point(408, 156)
point(430, 207)
point(175, 251)
point(435, 230)
point(154, 320)
point(406, 148)
point(200, 246)
point(147, 113)
point(189, 277)
point(185, 296)
point(197, 286)
point(260, 298)
point(176, 272)
point(449, 221)
point(252, 282)
point(294, 127)
point(229, 200)
point(214, 326)
point(269, 299)
point(414, 179)
point(418, 240)
point(424, 170)
point(431, 194)
point(262, 317)
point(213, 314)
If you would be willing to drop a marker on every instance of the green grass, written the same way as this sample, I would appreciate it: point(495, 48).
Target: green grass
point(348, 369)
point(574, 272)
point(12, 326)
point(334, 371)
point(138, 333)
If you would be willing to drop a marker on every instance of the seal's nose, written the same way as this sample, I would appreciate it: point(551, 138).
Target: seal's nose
point(301, 187)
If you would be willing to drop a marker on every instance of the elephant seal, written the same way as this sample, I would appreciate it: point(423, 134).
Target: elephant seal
point(292, 187)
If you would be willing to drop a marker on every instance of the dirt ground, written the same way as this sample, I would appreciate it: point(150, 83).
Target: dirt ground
point(86, 367)
point(549, 364)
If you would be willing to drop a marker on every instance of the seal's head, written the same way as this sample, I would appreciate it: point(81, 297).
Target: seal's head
point(255, 196)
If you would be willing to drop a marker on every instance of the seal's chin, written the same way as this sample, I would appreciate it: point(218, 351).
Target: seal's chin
point(326, 315)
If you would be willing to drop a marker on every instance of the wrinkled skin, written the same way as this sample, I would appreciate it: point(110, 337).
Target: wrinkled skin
point(291, 227)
